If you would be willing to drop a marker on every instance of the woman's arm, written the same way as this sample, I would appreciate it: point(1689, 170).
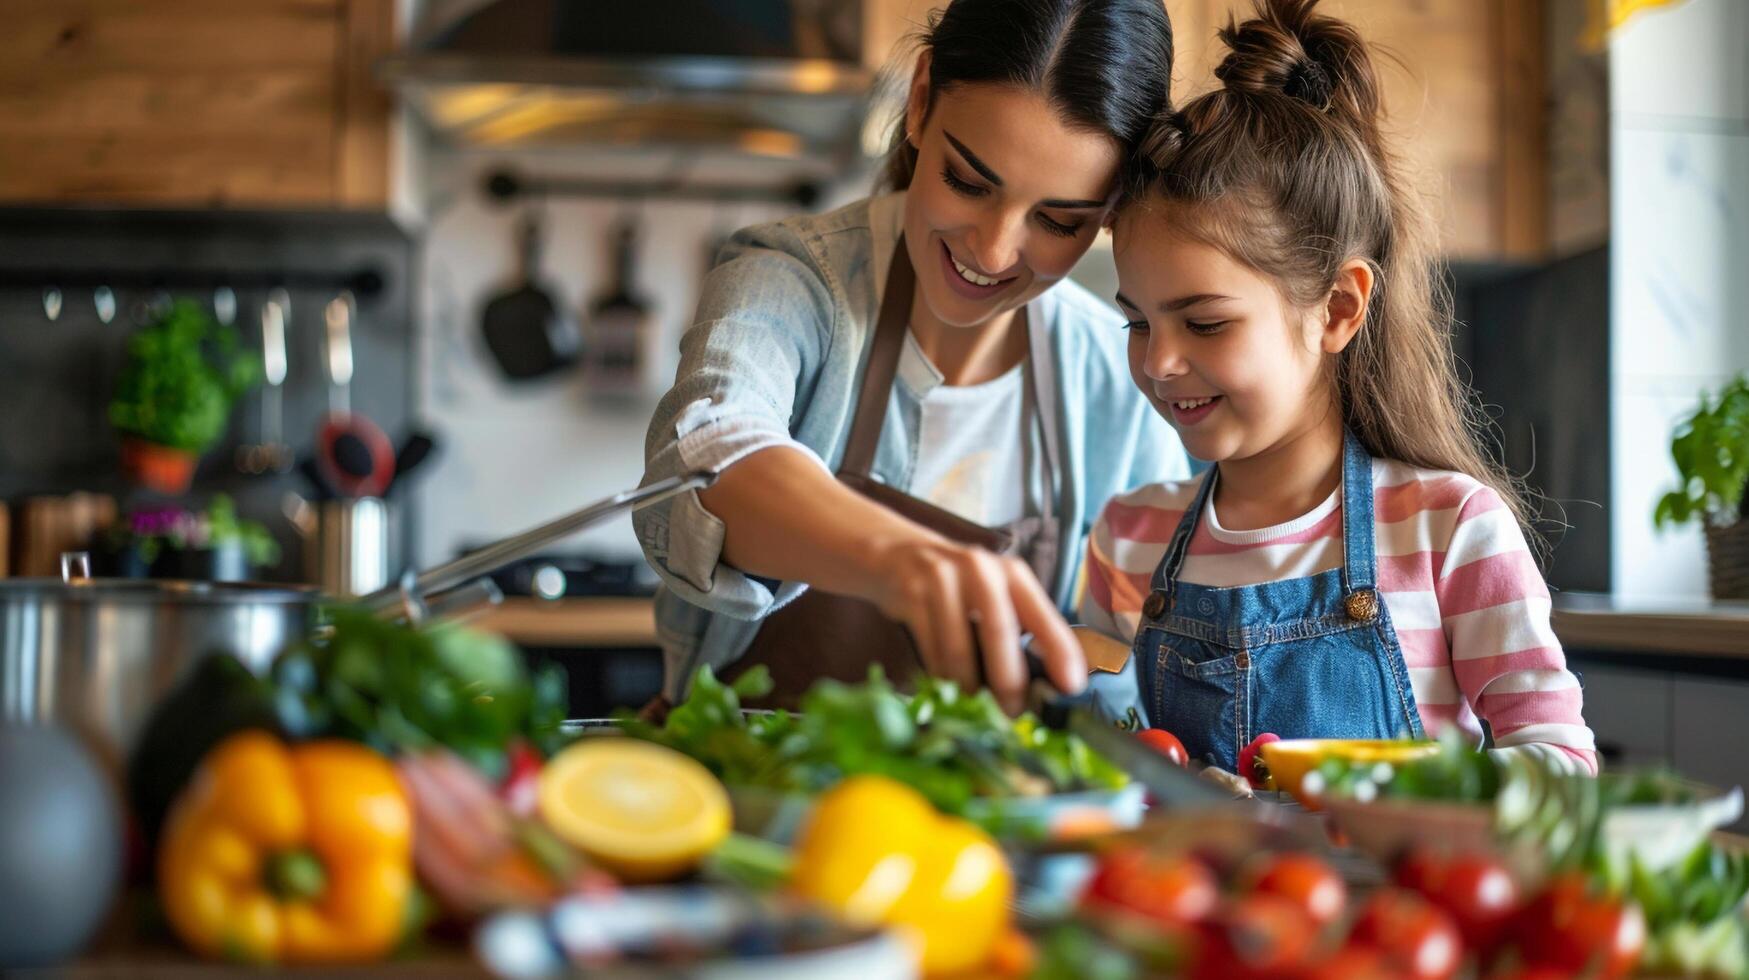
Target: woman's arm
point(784, 517)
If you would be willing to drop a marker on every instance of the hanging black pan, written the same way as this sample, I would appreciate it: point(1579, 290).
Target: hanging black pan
point(528, 334)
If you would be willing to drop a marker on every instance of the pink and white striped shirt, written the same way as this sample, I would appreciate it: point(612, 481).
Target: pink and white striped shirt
point(1468, 603)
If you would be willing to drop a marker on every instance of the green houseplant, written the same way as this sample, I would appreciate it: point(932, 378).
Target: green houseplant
point(1711, 450)
point(173, 398)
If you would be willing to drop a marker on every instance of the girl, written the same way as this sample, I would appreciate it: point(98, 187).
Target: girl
point(923, 346)
point(1353, 565)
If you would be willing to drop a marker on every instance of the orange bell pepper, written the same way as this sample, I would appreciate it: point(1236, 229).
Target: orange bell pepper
point(289, 854)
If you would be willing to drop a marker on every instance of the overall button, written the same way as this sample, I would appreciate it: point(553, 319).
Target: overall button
point(1206, 606)
point(1242, 660)
point(1362, 606)
point(1155, 605)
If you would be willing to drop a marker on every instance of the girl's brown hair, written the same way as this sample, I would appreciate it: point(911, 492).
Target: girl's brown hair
point(1285, 168)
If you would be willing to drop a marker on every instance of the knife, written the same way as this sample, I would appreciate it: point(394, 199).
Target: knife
point(1170, 784)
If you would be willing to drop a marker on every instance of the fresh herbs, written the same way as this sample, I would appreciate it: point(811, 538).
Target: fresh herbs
point(952, 747)
point(399, 688)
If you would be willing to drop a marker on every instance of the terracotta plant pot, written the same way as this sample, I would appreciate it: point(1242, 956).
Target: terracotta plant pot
point(158, 467)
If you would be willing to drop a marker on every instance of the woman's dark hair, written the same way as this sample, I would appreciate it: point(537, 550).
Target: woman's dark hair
point(1106, 65)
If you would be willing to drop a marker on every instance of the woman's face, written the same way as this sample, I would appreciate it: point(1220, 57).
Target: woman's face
point(1006, 198)
point(1213, 344)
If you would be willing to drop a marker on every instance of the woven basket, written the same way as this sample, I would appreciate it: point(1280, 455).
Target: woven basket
point(1727, 550)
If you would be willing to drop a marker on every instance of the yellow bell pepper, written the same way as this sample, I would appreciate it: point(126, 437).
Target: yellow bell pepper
point(875, 850)
point(299, 854)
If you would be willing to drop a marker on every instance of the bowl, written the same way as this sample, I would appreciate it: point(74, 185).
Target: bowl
point(1291, 759)
point(1656, 835)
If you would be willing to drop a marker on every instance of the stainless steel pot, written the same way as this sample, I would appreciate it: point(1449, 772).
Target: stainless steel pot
point(98, 654)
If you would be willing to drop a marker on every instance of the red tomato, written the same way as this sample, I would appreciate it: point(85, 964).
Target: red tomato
point(1414, 936)
point(1165, 743)
point(1307, 882)
point(1169, 888)
point(1254, 936)
point(1569, 927)
point(1248, 767)
point(1352, 963)
point(1477, 892)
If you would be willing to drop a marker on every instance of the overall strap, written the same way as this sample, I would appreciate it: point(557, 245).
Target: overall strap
point(1359, 561)
point(1166, 573)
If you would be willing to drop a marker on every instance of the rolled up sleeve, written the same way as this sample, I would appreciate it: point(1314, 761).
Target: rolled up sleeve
point(751, 355)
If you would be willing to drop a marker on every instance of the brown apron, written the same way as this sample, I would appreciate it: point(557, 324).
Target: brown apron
point(820, 634)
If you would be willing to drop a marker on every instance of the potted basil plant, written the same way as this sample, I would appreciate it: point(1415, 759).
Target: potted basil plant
point(174, 396)
point(1711, 450)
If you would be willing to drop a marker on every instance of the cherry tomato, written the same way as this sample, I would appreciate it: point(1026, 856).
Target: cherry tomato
point(1254, 936)
point(519, 787)
point(1477, 892)
point(1414, 936)
point(1168, 888)
point(1165, 743)
point(1255, 774)
point(1307, 882)
point(1570, 927)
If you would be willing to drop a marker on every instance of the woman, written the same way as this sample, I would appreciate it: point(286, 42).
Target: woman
point(942, 307)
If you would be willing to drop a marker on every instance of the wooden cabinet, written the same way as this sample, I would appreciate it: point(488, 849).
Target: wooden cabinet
point(1464, 83)
point(194, 103)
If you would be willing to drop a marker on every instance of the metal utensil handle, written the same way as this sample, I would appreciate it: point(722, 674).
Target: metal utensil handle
point(495, 556)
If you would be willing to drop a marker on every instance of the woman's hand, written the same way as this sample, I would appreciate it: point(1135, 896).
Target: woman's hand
point(966, 609)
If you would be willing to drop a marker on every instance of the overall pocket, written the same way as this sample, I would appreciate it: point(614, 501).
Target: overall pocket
point(1195, 691)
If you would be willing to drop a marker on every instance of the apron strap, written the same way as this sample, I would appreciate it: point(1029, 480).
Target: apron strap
point(883, 363)
point(1041, 370)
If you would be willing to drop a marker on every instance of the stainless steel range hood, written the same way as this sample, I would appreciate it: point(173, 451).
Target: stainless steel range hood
point(768, 77)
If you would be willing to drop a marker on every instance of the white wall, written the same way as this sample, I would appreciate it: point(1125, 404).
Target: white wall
point(1679, 105)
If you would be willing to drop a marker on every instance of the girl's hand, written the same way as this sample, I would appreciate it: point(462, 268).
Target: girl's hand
point(966, 608)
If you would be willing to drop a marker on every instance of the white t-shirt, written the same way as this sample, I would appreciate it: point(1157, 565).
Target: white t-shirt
point(969, 458)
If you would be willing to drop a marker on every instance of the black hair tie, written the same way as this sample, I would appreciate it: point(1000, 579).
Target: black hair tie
point(1308, 82)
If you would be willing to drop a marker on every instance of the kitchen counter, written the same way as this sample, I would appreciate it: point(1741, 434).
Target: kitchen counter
point(581, 622)
point(1678, 628)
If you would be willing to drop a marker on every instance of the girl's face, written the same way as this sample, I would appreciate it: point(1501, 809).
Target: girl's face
point(1005, 200)
point(1215, 346)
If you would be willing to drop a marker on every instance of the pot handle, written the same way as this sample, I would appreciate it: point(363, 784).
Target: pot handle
point(75, 565)
point(399, 598)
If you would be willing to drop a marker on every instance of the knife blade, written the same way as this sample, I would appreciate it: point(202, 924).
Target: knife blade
point(1170, 784)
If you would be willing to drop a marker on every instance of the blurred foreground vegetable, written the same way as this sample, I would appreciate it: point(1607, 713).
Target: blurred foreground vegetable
point(298, 854)
point(878, 853)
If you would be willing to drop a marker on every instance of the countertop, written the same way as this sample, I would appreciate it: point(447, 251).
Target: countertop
point(1693, 628)
point(1589, 622)
point(580, 622)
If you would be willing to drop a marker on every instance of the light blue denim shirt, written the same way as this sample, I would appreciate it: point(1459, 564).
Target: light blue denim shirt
point(775, 357)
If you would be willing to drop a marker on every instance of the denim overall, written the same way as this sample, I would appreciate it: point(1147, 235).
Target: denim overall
point(1310, 657)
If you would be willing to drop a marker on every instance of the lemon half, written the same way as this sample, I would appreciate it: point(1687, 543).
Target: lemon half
point(642, 810)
